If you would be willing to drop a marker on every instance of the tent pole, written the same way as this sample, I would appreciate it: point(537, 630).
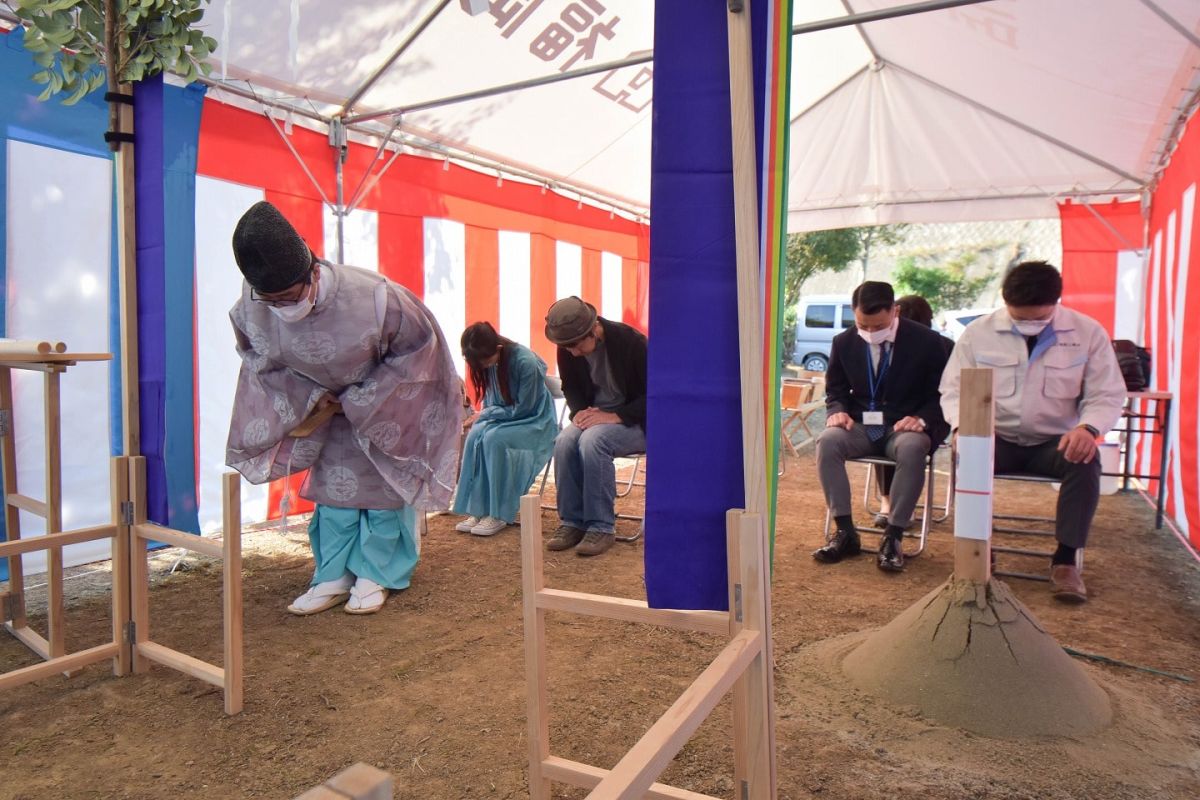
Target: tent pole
point(479, 94)
point(399, 51)
point(337, 139)
point(882, 14)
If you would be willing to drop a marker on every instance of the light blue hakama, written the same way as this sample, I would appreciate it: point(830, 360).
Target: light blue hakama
point(380, 545)
point(508, 445)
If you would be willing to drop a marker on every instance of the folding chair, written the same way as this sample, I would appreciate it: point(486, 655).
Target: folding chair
point(554, 384)
point(926, 512)
point(1024, 551)
point(872, 499)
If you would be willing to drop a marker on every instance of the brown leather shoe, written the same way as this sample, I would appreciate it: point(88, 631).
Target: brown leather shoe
point(594, 543)
point(1067, 584)
point(564, 538)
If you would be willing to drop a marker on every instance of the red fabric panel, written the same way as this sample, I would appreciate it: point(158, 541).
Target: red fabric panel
point(1091, 239)
point(592, 282)
point(542, 294)
point(483, 277)
point(402, 251)
point(1176, 334)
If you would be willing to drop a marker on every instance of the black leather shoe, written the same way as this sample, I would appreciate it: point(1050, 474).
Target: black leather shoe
point(891, 557)
point(843, 544)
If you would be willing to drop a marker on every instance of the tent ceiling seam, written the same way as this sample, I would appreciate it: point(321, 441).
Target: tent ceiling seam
point(857, 74)
point(1022, 126)
point(1073, 193)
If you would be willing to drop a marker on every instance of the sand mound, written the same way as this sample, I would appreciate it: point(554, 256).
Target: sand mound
point(976, 658)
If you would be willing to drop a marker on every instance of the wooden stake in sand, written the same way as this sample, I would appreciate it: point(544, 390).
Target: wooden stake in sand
point(969, 653)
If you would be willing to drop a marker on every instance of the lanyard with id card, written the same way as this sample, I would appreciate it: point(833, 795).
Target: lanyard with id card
point(874, 381)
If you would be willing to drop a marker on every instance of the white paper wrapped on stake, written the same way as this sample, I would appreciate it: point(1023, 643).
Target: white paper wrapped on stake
point(973, 488)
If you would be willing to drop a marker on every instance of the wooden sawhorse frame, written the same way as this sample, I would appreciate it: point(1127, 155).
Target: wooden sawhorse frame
point(130, 647)
point(744, 665)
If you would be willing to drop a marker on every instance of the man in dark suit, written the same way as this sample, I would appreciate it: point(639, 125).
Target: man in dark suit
point(882, 399)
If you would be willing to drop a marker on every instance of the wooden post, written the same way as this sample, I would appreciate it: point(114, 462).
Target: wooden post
point(973, 477)
point(746, 225)
point(12, 515)
point(231, 497)
point(139, 573)
point(119, 479)
point(532, 582)
point(754, 724)
point(54, 556)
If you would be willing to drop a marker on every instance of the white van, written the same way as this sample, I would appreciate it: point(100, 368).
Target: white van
point(819, 319)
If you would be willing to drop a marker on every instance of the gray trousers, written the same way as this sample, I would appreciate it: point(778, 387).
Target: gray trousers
point(908, 449)
point(1077, 497)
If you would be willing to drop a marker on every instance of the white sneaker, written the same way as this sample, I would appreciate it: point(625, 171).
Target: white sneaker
point(467, 524)
point(366, 597)
point(323, 596)
point(489, 526)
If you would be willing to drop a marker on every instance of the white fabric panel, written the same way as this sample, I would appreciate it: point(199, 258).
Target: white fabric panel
point(1186, 215)
point(360, 238)
point(1131, 289)
point(446, 277)
point(59, 238)
point(568, 270)
point(515, 282)
point(1145, 443)
point(611, 303)
point(219, 205)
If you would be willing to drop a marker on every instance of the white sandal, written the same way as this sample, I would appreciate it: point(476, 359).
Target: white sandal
point(366, 597)
point(322, 597)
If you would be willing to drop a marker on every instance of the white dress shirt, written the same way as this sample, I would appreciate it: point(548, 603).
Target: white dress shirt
point(1073, 378)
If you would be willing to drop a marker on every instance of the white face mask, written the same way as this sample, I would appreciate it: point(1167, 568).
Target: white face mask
point(295, 312)
point(887, 334)
point(1030, 327)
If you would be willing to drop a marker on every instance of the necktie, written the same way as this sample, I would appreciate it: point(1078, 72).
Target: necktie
point(1031, 342)
point(877, 432)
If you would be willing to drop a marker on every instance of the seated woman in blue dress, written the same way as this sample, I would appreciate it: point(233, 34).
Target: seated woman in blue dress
point(512, 436)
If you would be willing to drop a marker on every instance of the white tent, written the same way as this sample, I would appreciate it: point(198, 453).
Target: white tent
point(984, 110)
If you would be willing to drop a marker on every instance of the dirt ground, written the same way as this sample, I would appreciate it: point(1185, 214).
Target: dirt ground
point(432, 688)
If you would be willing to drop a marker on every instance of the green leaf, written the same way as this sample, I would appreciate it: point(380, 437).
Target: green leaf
point(41, 76)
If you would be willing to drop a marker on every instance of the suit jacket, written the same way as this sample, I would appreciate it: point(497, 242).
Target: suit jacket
point(626, 348)
point(910, 387)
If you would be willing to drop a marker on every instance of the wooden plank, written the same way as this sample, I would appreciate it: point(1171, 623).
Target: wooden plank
point(56, 541)
point(5, 599)
point(362, 782)
point(139, 572)
point(30, 360)
point(231, 596)
point(12, 518)
point(27, 503)
point(587, 776)
point(759, 743)
point(119, 488)
point(66, 664)
point(30, 638)
point(746, 219)
point(972, 558)
point(55, 600)
point(127, 283)
point(636, 771)
point(182, 662)
point(741, 696)
point(619, 608)
point(533, 582)
point(150, 532)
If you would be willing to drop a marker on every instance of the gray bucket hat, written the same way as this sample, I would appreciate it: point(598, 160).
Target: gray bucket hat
point(569, 320)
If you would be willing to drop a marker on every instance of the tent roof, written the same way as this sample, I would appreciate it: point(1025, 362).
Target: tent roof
point(994, 110)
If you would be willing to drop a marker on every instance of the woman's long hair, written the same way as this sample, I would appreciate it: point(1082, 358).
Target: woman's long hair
point(480, 341)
